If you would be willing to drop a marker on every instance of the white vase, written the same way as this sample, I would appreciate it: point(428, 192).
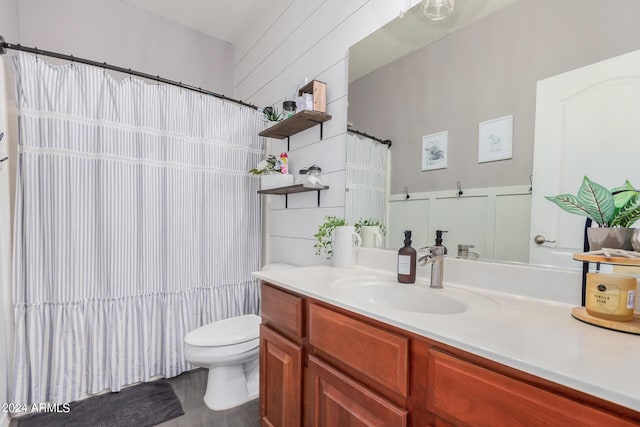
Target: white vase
point(345, 241)
point(371, 236)
point(275, 180)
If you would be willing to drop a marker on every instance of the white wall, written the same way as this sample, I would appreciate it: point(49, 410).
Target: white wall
point(307, 39)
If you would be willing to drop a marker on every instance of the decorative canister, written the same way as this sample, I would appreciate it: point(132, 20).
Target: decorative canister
point(611, 296)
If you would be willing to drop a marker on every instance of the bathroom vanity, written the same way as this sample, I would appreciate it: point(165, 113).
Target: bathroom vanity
point(329, 358)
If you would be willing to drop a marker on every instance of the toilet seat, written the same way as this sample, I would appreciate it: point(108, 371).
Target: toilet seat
point(226, 332)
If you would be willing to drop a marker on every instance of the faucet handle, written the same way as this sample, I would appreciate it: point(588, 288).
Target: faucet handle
point(434, 250)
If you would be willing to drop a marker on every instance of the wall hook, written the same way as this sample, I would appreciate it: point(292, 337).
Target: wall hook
point(530, 183)
point(460, 192)
point(406, 193)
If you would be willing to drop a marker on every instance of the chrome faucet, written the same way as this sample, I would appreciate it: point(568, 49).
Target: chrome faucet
point(464, 252)
point(435, 257)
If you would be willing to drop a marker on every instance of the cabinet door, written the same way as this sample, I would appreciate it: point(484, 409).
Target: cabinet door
point(470, 395)
point(280, 380)
point(337, 400)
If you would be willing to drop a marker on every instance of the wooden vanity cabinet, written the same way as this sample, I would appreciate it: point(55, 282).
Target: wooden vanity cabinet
point(321, 365)
point(281, 358)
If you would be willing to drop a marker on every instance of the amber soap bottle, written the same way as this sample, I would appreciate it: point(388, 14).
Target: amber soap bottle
point(407, 261)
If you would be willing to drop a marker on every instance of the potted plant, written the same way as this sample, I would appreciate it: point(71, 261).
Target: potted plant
point(338, 241)
point(270, 176)
point(371, 231)
point(271, 114)
point(613, 210)
point(324, 235)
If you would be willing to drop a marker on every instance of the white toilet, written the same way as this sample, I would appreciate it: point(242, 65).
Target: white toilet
point(229, 349)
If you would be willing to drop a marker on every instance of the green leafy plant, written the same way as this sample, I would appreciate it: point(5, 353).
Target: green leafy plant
point(269, 165)
point(272, 114)
point(618, 207)
point(372, 222)
point(325, 234)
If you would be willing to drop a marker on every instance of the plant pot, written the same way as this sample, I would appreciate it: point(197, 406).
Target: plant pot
point(345, 241)
point(635, 239)
point(371, 236)
point(275, 180)
point(610, 238)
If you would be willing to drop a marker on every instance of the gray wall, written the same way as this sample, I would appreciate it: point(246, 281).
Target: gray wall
point(486, 70)
point(9, 19)
point(117, 33)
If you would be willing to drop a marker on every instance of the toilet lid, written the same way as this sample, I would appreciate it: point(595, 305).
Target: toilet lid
point(233, 330)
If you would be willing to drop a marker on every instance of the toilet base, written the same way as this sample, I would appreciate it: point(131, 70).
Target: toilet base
point(231, 386)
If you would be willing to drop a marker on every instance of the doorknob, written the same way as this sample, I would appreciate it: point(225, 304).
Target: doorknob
point(539, 239)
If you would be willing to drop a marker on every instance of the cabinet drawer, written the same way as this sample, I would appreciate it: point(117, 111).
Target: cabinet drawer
point(376, 354)
point(467, 394)
point(282, 310)
point(337, 400)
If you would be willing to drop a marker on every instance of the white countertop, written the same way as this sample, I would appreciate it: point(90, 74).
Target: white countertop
point(533, 335)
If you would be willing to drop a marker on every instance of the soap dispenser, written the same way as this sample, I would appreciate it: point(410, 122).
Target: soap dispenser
point(407, 261)
point(439, 239)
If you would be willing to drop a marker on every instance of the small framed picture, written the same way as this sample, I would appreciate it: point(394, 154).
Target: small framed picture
point(434, 151)
point(495, 139)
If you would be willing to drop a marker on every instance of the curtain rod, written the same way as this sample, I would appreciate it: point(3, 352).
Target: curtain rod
point(386, 142)
point(4, 45)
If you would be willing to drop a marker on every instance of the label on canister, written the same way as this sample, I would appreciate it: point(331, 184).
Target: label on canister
point(604, 298)
point(631, 299)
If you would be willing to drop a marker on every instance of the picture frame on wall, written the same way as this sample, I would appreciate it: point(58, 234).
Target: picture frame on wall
point(495, 139)
point(434, 151)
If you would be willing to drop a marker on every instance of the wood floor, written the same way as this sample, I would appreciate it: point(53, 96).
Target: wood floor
point(190, 387)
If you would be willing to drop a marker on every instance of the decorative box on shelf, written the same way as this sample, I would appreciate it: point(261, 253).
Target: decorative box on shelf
point(318, 90)
point(275, 180)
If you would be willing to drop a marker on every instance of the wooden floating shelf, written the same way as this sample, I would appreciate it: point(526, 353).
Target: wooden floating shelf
point(290, 189)
point(631, 327)
point(297, 123)
point(604, 260)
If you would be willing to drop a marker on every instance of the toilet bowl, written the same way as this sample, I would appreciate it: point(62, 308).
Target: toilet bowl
point(229, 349)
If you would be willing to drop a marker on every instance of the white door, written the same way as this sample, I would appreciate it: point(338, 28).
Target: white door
point(587, 123)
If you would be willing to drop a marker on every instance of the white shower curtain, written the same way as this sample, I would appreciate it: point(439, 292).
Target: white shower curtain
point(136, 222)
point(366, 179)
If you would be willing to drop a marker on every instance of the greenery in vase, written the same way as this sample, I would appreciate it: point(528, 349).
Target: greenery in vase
point(267, 166)
point(325, 234)
point(618, 207)
point(370, 222)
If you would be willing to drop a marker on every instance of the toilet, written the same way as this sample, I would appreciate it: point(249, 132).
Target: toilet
point(229, 349)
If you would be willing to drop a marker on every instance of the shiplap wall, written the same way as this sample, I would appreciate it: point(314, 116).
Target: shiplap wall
point(298, 39)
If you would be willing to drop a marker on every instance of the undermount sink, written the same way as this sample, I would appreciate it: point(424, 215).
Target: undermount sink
point(416, 298)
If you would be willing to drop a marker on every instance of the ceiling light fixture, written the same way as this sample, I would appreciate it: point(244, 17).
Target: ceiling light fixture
point(437, 10)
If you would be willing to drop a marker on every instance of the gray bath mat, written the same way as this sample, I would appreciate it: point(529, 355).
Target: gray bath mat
point(146, 404)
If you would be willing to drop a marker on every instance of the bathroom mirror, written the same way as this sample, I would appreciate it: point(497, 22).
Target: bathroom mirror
point(474, 72)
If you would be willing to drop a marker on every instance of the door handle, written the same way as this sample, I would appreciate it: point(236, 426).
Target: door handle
point(539, 239)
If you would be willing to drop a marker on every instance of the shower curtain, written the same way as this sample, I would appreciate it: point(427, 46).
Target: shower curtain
point(366, 179)
point(136, 222)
